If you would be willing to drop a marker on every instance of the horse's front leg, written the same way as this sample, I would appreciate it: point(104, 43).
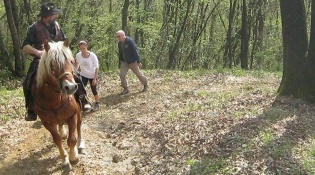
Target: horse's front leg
point(72, 140)
point(82, 148)
point(58, 141)
point(62, 131)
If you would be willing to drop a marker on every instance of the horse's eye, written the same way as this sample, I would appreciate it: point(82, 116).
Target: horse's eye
point(52, 66)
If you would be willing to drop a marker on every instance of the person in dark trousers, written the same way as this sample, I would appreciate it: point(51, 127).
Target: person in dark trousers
point(47, 28)
point(129, 59)
point(87, 62)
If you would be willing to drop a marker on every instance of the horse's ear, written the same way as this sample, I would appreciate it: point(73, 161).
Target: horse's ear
point(46, 45)
point(67, 42)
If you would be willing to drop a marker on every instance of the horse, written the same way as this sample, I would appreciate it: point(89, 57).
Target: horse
point(55, 103)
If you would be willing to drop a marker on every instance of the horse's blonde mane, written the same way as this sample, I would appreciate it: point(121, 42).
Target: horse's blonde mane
point(58, 53)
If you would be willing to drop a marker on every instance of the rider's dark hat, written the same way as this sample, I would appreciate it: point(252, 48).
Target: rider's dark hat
point(48, 9)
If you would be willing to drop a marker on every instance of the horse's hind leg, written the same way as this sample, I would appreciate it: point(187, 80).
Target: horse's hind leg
point(58, 141)
point(82, 148)
point(72, 141)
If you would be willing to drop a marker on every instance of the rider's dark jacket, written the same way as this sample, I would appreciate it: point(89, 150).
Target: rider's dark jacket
point(38, 32)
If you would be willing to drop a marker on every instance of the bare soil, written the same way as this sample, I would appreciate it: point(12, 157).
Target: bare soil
point(182, 119)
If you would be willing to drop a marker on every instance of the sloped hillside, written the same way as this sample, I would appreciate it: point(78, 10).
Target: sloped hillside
point(187, 123)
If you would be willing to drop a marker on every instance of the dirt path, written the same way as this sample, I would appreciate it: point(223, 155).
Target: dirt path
point(129, 134)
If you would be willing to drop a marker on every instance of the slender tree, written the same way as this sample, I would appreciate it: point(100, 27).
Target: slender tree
point(311, 50)
point(180, 21)
point(18, 71)
point(228, 54)
point(258, 33)
point(244, 37)
point(124, 17)
point(4, 56)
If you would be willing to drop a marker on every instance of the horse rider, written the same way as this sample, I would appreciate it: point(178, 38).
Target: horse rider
point(47, 28)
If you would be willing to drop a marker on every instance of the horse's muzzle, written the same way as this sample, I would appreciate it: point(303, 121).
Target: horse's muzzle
point(68, 87)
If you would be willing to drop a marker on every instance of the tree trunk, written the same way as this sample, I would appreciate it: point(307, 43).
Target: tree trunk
point(309, 71)
point(244, 38)
point(311, 49)
point(294, 47)
point(258, 35)
point(124, 17)
point(228, 54)
point(178, 33)
point(18, 71)
point(4, 56)
point(198, 28)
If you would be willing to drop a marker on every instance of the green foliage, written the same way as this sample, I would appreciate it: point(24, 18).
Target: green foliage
point(201, 45)
point(266, 137)
point(208, 166)
point(306, 154)
point(4, 118)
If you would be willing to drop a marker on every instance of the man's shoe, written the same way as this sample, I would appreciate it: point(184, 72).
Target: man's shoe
point(30, 116)
point(87, 107)
point(125, 91)
point(96, 106)
point(145, 88)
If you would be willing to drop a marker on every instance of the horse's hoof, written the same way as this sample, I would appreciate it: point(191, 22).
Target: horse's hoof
point(82, 151)
point(74, 162)
point(66, 168)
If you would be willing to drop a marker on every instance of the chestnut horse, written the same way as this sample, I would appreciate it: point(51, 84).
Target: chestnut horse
point(55, 103)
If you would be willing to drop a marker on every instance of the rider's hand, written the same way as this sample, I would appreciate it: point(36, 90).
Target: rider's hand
point(39, 53)
point(140, 65)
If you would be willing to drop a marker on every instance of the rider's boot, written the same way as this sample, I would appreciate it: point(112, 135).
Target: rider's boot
point(29, 103)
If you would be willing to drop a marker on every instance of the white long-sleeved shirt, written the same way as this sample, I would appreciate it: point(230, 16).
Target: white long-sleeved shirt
point(87, 65)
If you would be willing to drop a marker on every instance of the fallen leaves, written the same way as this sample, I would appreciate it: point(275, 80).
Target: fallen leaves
point(213, 123)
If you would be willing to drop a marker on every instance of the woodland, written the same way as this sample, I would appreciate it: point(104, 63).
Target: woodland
point(267, 35)
point(231, 88)
point(192, 34)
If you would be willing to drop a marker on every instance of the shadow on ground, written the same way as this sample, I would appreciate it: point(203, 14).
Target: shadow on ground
point(34, 164)
point(250, 153)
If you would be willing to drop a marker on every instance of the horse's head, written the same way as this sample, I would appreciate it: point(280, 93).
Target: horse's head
point(55, 68)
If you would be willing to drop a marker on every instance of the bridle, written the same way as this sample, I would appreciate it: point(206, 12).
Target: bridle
point(60, 77)
point(60, 90)
point(65, 73)
point(64, 98)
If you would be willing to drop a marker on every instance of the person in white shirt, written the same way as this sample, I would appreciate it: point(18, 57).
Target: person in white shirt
point(88, 64)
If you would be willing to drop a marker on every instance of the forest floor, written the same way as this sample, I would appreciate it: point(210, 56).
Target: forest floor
point(186, 123)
